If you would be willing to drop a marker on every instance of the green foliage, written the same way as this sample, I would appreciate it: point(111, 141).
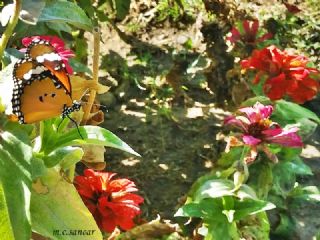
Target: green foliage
point(15, 177)
point(51, 201)
point(53, 152)
point(55, 12)
point(221, 207)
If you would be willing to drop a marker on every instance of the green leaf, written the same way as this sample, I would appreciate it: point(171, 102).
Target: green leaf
point(298, 167)
point(306, 127)
point(66, 155)
point(227, 159)
point(59, 27)
point(66, 12)
point(205, 209)
point(72, 158)
point(309, 193)
point(249, 207)
point(38, 168)
point(79, 67)
point(251, 101)
point(215, 189)
point(221, 230)
point(50, 211)
point(292, 112)
point(256, 227)
point(15, 176)
point(6, 231)
point(286, 227)
point(122, 7)
point(284, 178)
point(264, 181)
point(91, 135)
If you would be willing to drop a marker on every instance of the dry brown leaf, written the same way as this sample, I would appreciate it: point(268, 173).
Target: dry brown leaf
point(81, 85)
point(94, 157)
point(151, 230)
point(95, 118)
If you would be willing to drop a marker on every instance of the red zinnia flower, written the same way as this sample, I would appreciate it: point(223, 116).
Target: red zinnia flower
point(249, 34)
point(257, 130)
point(286, 74)
point(110, 201)
point(58, 45)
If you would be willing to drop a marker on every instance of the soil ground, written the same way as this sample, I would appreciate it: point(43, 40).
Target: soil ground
point(178, 147)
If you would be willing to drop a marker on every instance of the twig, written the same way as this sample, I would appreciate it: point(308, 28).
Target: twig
point(10, 27)
point(95, 70)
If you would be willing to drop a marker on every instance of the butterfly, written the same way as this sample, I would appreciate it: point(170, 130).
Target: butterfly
point(42, 87)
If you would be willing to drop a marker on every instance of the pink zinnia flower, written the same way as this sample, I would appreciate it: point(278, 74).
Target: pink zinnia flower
point(111, 202)
point(258, 130)
point(58, 45)
point(287, 74)
point(249, 34)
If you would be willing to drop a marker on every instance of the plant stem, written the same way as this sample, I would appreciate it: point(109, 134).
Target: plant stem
point(95, 70)
point(10, 27)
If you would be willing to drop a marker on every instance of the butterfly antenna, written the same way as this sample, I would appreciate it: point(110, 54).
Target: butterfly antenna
point(77, 126)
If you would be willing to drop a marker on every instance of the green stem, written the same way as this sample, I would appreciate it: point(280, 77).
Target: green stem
point(10, 27)
point(95, 71)
point(70, 172)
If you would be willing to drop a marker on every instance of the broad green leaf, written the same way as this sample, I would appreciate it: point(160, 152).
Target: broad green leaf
point(246, 192)
point(72, 158)
point(298, 167)
point(79, 67)
point(6, 231)
point(256, 227)
point(11, 55)
point(251, 101)
point(60, 27)
point(91, 135)
point(264, 181)
point(227, 159)
point(15, 177)
point(284, 178)
point(249, 207)
point(66, 12)
point(309, 193)
point(306, 127)
point(207, 208)
point(38, 168)
point(66, 156)
point(221, 231)
point(286, 227)
point(61, 208)
point(289, 111)
point(122, 8)
point(215, 189)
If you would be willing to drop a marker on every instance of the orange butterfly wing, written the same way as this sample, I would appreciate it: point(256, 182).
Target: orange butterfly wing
point(38, 49)
point(42, 100)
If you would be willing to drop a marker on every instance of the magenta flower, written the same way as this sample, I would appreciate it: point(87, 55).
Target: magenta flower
point(258, 130)
point(249, 34)
point(58, 46)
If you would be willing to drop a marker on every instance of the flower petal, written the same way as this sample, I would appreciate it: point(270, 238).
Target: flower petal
point(250, 140)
